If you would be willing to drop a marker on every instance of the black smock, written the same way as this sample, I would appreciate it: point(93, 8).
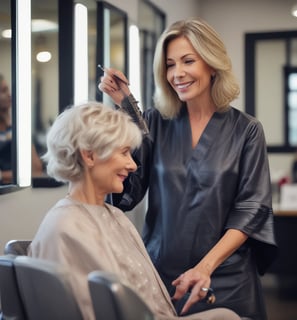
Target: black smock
point(196, 194)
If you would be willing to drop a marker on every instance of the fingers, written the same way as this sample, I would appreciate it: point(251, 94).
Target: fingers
point(115, 76)
point(196, 284)
point(118, 75)
point(108, 84)
point(115, 84)
point(182, 286)
point(197, 295)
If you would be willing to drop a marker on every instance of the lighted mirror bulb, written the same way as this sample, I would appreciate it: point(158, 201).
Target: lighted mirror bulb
point(43, 56)
point(6, 33)
point(294, 10)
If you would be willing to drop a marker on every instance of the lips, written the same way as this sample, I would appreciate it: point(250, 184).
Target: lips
point(181, 86)
point(122, 177)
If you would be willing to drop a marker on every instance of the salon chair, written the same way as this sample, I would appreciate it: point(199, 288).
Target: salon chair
point(11, 304)
point(45, 289)
point(17, 247)
point(113, 300)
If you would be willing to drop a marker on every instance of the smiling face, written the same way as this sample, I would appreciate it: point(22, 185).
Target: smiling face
point(108, 175)
point(187, 73)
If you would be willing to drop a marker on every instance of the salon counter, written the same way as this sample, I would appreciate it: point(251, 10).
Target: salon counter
point(284, 268)
point(285, 225)
point(285, 213)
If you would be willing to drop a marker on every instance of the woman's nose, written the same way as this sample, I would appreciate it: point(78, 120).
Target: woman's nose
point(131, 165)
point(179, 71)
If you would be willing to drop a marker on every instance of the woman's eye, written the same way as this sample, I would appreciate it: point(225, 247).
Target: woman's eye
point(126, 152)
point(189, 61)
point(169, 65)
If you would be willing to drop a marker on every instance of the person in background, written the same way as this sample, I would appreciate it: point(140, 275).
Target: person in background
point(209, 220)
point(6, 175)
point(89, 147)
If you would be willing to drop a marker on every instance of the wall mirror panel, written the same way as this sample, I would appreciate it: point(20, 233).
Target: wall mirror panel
point(6, 160)
point(271, 91)
point(16, 94)
point(45, 79)
point(151, 24)
point(112, 46)
point(71, 40)
point(51, 68)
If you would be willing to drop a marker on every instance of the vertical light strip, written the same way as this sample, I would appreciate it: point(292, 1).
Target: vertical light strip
point(107, 37)
point(106, 47)
point(80, 53)
point(134, 62)
point(23, 91)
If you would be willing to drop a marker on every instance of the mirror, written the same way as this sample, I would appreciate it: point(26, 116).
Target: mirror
point(111, 41)
point(54, 80)
point(270, 71)
point(45, 79)
point(6, 161)
point(52, 74)
point(19, 107)
point(151, 25)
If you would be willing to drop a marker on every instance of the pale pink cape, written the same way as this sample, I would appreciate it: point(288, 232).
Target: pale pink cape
point(86, 237)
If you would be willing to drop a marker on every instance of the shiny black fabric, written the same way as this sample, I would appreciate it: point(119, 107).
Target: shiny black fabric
point(195, 195)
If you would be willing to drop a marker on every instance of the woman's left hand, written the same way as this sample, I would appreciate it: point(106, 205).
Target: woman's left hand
point(194, 281)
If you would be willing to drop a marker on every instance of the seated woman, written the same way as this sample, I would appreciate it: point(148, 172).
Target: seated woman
point(89, 146)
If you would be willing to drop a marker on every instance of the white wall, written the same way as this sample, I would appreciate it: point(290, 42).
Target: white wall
point(22, 211)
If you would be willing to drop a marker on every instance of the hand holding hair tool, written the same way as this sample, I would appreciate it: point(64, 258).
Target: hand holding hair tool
point(130, 105)
point(116, 77)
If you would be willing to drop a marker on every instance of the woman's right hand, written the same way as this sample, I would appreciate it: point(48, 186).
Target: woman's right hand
point(115, 84)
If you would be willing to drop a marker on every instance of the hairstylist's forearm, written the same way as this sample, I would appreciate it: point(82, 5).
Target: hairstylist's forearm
point(229, 243)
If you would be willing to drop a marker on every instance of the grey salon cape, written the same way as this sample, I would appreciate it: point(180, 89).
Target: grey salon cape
point(196, 194)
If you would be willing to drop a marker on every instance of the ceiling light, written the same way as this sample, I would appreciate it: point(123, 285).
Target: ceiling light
point(43, 56)
point(6, 33)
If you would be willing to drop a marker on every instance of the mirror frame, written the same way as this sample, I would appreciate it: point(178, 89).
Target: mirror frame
point(65, 72)
point(251, 40)
point(66, 85)
point(101, 34)
point(20, 72)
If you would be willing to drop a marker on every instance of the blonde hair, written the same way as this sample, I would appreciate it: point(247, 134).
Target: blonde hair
point(210, 47)
point(90, 126)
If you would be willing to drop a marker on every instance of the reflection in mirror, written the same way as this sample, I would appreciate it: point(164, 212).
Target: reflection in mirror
point(53, 79)
point(85, 50)
point(6, 172)
point(45, 85)
point(151, 25)
point(92, 37)
point(270, 61)
point(112, 41)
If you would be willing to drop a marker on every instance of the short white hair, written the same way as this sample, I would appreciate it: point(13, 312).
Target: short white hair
point(90, 126)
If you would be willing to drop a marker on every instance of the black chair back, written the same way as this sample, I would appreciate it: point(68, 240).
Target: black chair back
point(113, 300)
point(11, 304)
point(45, 289)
